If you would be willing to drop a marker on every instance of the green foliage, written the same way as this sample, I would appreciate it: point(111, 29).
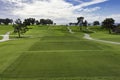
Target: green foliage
point(6, 21)
point(20, 27)
point(95, 23)
point(46, 21)
point(80, 22)
point(108, 24)
point(87, 31)
point(29, 21)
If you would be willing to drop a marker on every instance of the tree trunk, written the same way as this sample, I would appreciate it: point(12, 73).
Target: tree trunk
point(19, 33)
point(80, 28)
point(109, 31)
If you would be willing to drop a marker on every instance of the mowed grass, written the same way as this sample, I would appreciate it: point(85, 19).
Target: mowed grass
point(104, 34)
point(61, 43)
point(4, 29)
point(52, 53)
point(64, 64)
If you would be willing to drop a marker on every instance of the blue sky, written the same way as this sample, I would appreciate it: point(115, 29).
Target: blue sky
point(61, 11)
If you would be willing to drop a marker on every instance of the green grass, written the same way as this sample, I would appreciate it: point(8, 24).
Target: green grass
point(76, 45)
point(1, 37)
point(104, 35)
point(4, 29)
point(69, 64)
point(52, 53)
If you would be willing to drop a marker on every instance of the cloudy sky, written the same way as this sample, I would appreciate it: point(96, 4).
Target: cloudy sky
point(61, 11)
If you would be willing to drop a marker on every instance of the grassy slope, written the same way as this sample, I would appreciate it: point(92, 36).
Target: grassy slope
point(4, 29)
point(53, 53)
point(104, 35)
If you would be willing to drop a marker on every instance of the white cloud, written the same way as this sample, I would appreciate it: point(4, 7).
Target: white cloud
point(84, 4)
point(12, 1)
point(55, 9)
point(94, 17)
point(116, 17)
point(58, 10)
point(91, 9)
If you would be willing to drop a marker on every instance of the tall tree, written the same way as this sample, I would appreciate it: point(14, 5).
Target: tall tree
point(80, 22)
point(96, 23)
point(108, 24)
point(85, 24)
point(20, 27)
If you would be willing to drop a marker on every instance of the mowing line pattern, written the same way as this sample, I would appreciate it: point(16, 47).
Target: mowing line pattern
point(68, 64)
point(71, 51)
point(65, 57)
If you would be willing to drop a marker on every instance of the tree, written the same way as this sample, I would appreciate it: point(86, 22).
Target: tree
point(108, 24)
point(37, 22)
point(29, 21)
point(32, 21)
point(85, 24)
point(96, 23)
point(42, 21)
point(20, 27)
point(118, 25)
point(80, 22)
point(1, 20)
point(46, 21)
point(6, 21)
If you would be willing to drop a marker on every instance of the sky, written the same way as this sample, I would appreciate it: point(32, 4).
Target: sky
point(61, 11)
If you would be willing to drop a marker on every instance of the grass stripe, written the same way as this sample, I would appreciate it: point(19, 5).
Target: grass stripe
point(63, 40)
point(69, 50)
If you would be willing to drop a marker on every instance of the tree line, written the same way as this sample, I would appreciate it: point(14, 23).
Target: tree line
point(21, 27)
point(6, 21)
point(108, 23)
point(28, 21)
point(32, 21)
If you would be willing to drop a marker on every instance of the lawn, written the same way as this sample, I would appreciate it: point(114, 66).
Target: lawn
point(52, 53)
point(104, 35)
point(4, 29)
